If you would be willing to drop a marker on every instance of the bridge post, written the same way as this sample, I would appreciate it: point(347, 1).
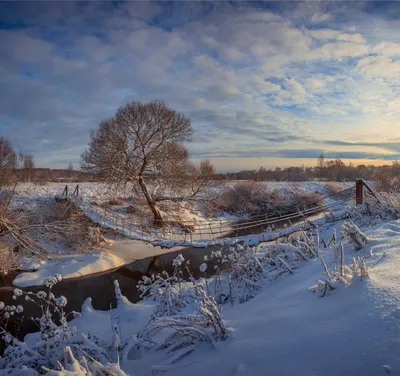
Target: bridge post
point(359, 191)
point(76, 190)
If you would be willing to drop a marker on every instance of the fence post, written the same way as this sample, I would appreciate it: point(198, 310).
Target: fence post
point(359, 191)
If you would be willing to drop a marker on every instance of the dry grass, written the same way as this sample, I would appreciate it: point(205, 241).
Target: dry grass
point(185, 227)
point(254, 198)
point(62, 221)
point(387, 183)
point(16, 229)
point(38, 231)
point(116, 201)
point(333, 188)
point(140, 208)
point(35, 232)
point(7, 258)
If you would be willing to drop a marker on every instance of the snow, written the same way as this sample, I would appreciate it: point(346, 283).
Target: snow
point(70, 267)
point(287, 330)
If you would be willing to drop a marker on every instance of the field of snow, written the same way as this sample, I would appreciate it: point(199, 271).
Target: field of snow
point(286, 328)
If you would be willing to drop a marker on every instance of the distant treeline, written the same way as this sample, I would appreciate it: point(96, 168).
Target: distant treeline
point(335, 170)
point(332, 170)
point(47, 175)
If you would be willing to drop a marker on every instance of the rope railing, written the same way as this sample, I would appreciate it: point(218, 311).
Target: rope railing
point(153, 234)
point(204, 225)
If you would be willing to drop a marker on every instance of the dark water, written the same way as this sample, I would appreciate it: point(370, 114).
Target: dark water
point(100, 287)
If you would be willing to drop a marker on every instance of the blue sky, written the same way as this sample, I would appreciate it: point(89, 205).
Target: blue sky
point(265, 84)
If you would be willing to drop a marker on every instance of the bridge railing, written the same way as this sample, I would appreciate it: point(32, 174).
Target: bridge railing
point(210, 231)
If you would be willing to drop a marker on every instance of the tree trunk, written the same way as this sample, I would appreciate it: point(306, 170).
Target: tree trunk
point(158, 219)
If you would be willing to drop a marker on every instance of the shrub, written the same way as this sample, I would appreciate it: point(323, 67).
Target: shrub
point(116, 202)
point(333, 188)
point(7, 258)
point(59, 348)
point(132, 209)
point(63, 221)
point(142, 211)
point(41, 181)
point(340, 274)
point(354, 235)
point(254, 198)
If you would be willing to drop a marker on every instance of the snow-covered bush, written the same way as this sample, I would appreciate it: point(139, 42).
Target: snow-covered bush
point(371, 213)
point(246, 276)
point(167, 290)
point(359, 266)
point(179, 334)
point(306, 242)
point(354, 235)
point(339, 274)
point(250, 268)
point(56, 339)
point(73, 367)
point(184, 314)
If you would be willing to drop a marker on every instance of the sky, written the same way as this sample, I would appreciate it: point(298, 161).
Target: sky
point(264, 83)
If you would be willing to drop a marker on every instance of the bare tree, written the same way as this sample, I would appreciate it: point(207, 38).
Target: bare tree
point(8, 161)
point(142, 143)
point(26, 164)
point(29, 165)
point(70, 171)
point(320, 165)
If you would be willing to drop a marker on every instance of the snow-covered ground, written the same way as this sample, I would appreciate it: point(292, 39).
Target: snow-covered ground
point(286, 328)
point(71, 264)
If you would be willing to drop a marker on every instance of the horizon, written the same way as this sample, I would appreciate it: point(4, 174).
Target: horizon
point(271, 84)
point(268, 168)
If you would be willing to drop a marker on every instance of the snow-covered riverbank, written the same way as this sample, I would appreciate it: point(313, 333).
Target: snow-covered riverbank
point(284, 328)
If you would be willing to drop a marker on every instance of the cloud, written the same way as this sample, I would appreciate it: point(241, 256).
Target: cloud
point(293, 154)
point(379, 66)
point(390, 146)
point(268, 80)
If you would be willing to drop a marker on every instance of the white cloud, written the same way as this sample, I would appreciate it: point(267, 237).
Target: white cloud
point(236, 72)
point(387, 49)
point(379, 66)
point(354, 38)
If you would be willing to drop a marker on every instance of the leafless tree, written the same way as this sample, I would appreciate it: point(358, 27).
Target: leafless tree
point(8, 162)
point(26, 164)
point(70, 172)
point(320, 165)
point(142, 143)
point(29, 165)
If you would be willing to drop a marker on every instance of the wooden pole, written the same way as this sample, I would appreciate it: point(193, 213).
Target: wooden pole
point(359, 191)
